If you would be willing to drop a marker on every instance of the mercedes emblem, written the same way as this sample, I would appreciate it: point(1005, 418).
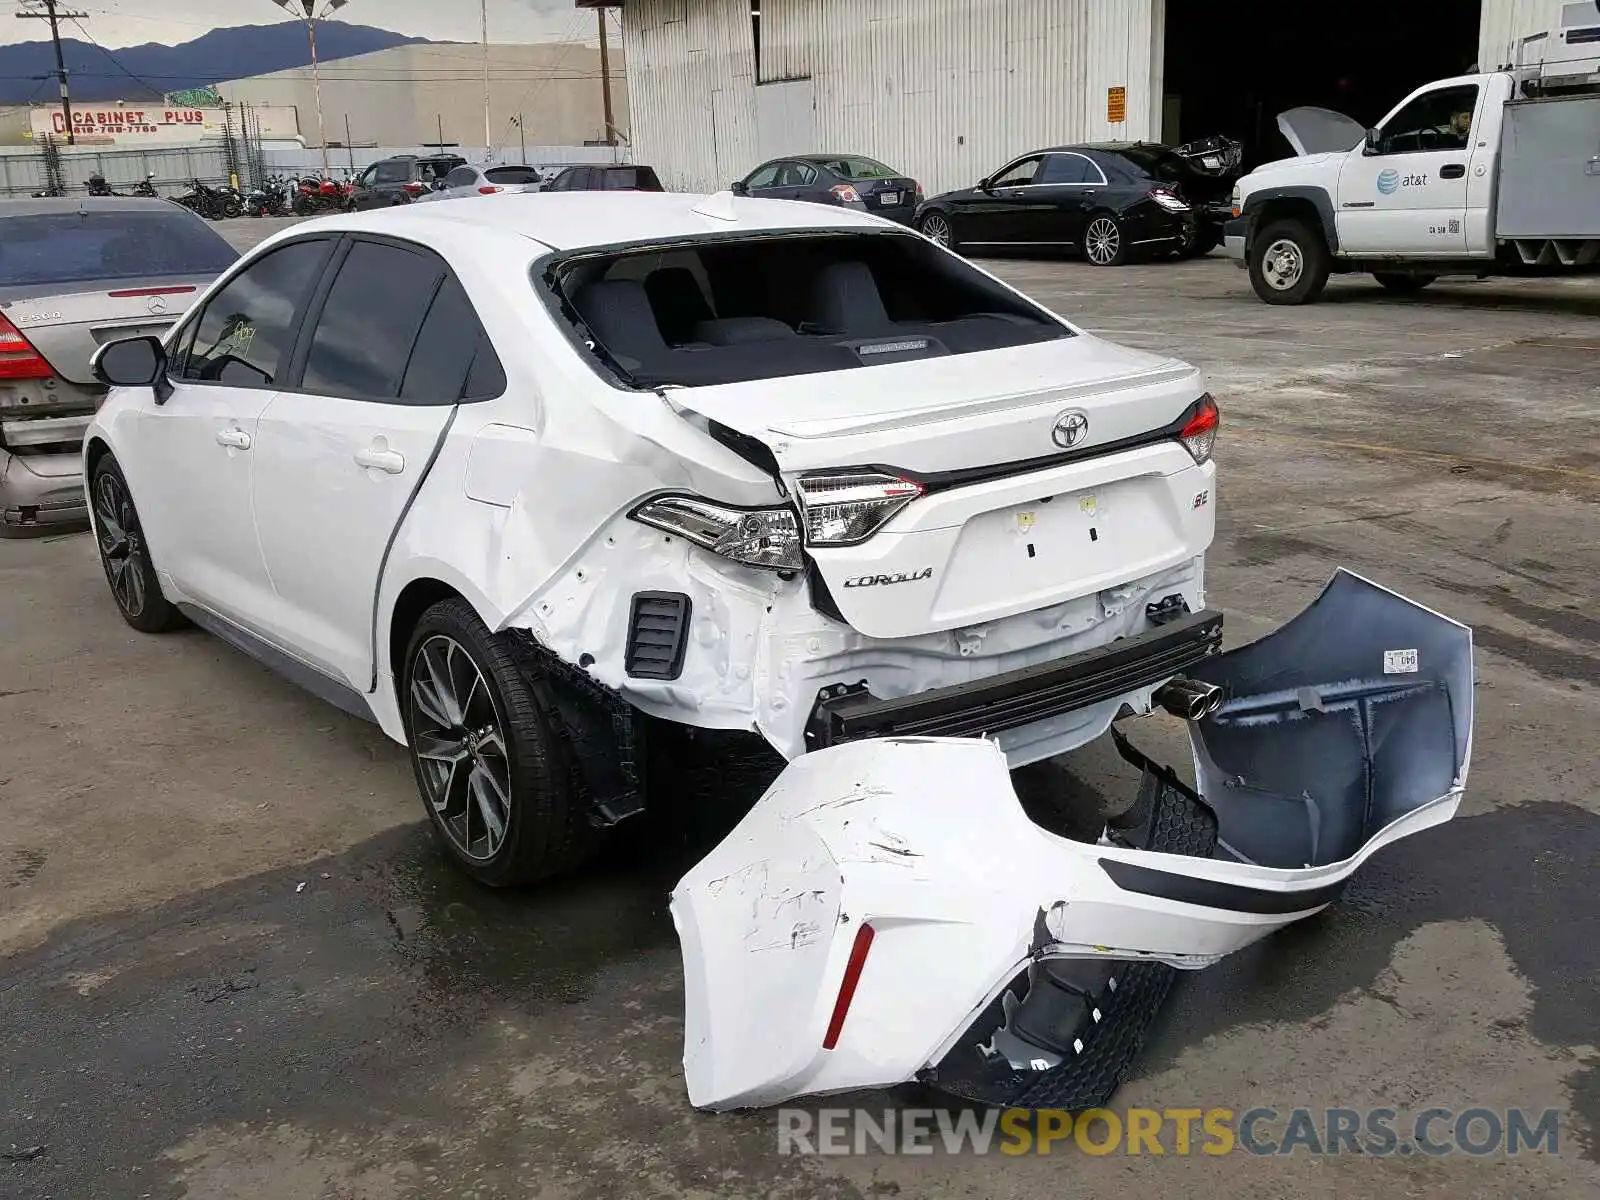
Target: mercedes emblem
point(1071, 427)
point(157, 305)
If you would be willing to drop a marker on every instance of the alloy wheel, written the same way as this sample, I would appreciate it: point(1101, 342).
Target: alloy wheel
point(460, 744)
point(937, 229)
point(118, 528)
point(1282, 265)
point(1102, 241)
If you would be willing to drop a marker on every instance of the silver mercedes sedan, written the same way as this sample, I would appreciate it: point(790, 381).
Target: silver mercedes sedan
point(76, 273)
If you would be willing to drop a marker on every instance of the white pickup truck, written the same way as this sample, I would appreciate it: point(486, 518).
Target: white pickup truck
point(1486, 174)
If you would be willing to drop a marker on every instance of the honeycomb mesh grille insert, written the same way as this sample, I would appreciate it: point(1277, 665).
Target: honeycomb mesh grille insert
point(658, 635)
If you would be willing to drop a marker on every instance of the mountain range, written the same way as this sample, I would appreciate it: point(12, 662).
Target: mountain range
point(144, 73)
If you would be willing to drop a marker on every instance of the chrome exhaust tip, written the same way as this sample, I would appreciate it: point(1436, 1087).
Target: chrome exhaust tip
point(1189, 699)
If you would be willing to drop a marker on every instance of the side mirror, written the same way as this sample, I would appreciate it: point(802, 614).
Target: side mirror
point(1374, 141)
point(986, 184)
point(738, 188)
point(132, 362)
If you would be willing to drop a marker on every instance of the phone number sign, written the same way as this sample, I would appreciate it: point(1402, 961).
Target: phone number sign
point(111, 125)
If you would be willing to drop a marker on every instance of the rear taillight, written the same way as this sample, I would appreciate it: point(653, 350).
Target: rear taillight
point(489, 191)
point(846, 194)
point(847, 986)
point(919, 193)
point(1168, 200)
point(847, 508)
point(18, 358)
point(1199, 432)
point(414, 188)
point(756, 537)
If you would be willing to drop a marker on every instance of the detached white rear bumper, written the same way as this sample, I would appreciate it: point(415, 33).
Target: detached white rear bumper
point(888, 912)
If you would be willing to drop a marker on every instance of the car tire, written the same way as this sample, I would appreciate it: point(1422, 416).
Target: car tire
point(1401, 284)
point(1202, 243)
point(1104, 243)
point(495, 776)
point(1289, 263)
point(125, 555)
point(938, 227)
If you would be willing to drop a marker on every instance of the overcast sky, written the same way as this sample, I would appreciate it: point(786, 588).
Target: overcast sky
point(117, 23)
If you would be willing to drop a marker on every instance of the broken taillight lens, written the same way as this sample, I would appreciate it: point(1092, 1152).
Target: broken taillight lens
point(847, 508)
point(18, 358)
point(756, 537)
point(1199, 432)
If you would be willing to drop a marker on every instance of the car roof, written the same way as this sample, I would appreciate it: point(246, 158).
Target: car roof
point(44, 205)
point(1106, 147)
point(593, 220)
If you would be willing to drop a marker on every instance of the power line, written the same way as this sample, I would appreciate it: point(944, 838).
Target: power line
point(115, 61)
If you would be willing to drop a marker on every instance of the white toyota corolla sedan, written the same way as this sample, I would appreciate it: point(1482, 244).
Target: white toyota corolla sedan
point(532, 481)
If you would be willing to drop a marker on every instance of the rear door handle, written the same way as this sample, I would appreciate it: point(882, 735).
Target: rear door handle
point(380, 458)
point(234, 439)
point(1452, 171)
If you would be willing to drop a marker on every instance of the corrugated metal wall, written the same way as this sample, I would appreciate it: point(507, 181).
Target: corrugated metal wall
point(691, 74)
point(946, 90)
point(1503, 23)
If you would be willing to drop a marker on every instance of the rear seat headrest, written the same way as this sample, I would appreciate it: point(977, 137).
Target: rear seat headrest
point(845, 299)
point(618, 313)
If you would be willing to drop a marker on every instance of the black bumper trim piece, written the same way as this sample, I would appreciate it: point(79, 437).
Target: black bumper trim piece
point(1020, 697)
point(1212, 893)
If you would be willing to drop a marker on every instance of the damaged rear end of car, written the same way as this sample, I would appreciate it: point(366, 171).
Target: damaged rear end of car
point(915, 532)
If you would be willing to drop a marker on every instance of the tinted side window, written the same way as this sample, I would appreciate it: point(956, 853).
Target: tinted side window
point(244, 336)
point(370, 321)
point(1064, 168)
point(451, 341)
point(765, 177)
point(392, 172)
point(461, 177)
point(1017, 174)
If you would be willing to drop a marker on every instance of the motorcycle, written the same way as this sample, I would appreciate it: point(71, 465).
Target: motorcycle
point(314, 195)
point(214, 204)
point(269, 200)
point(146, 186)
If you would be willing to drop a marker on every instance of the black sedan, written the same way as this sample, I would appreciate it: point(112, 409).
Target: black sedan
point(850, 180)
point(1099, 201)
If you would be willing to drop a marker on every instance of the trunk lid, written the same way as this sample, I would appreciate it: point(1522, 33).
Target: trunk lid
point(1012, 518)
point(67, 327)
point(1312, 130)
point(952, 412)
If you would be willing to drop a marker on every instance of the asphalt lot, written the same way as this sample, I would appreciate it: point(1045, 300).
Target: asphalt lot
point(180, 1017)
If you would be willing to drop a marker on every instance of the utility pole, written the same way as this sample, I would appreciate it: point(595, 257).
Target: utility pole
point(488, 125)
point(605, 78)
point(55, 17)
point(306, 10)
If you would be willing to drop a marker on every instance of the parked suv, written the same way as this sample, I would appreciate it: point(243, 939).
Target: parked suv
point(605, 179)
point(401, 179)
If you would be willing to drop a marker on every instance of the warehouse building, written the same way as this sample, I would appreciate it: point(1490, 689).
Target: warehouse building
point(948, 90)
point(416, 95)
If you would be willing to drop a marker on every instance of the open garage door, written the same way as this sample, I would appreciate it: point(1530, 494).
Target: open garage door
point(1231, 70)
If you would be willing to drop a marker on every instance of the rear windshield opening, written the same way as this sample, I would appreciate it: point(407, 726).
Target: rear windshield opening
point(730, 311)
point(71, 247)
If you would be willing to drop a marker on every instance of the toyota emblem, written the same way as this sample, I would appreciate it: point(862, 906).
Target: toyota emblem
point(157, 305)
point(1071, 427)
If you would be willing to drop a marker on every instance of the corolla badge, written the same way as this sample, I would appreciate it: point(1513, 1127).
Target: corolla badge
point(886, 580)
point(1071, 427)
point(1388, 181)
